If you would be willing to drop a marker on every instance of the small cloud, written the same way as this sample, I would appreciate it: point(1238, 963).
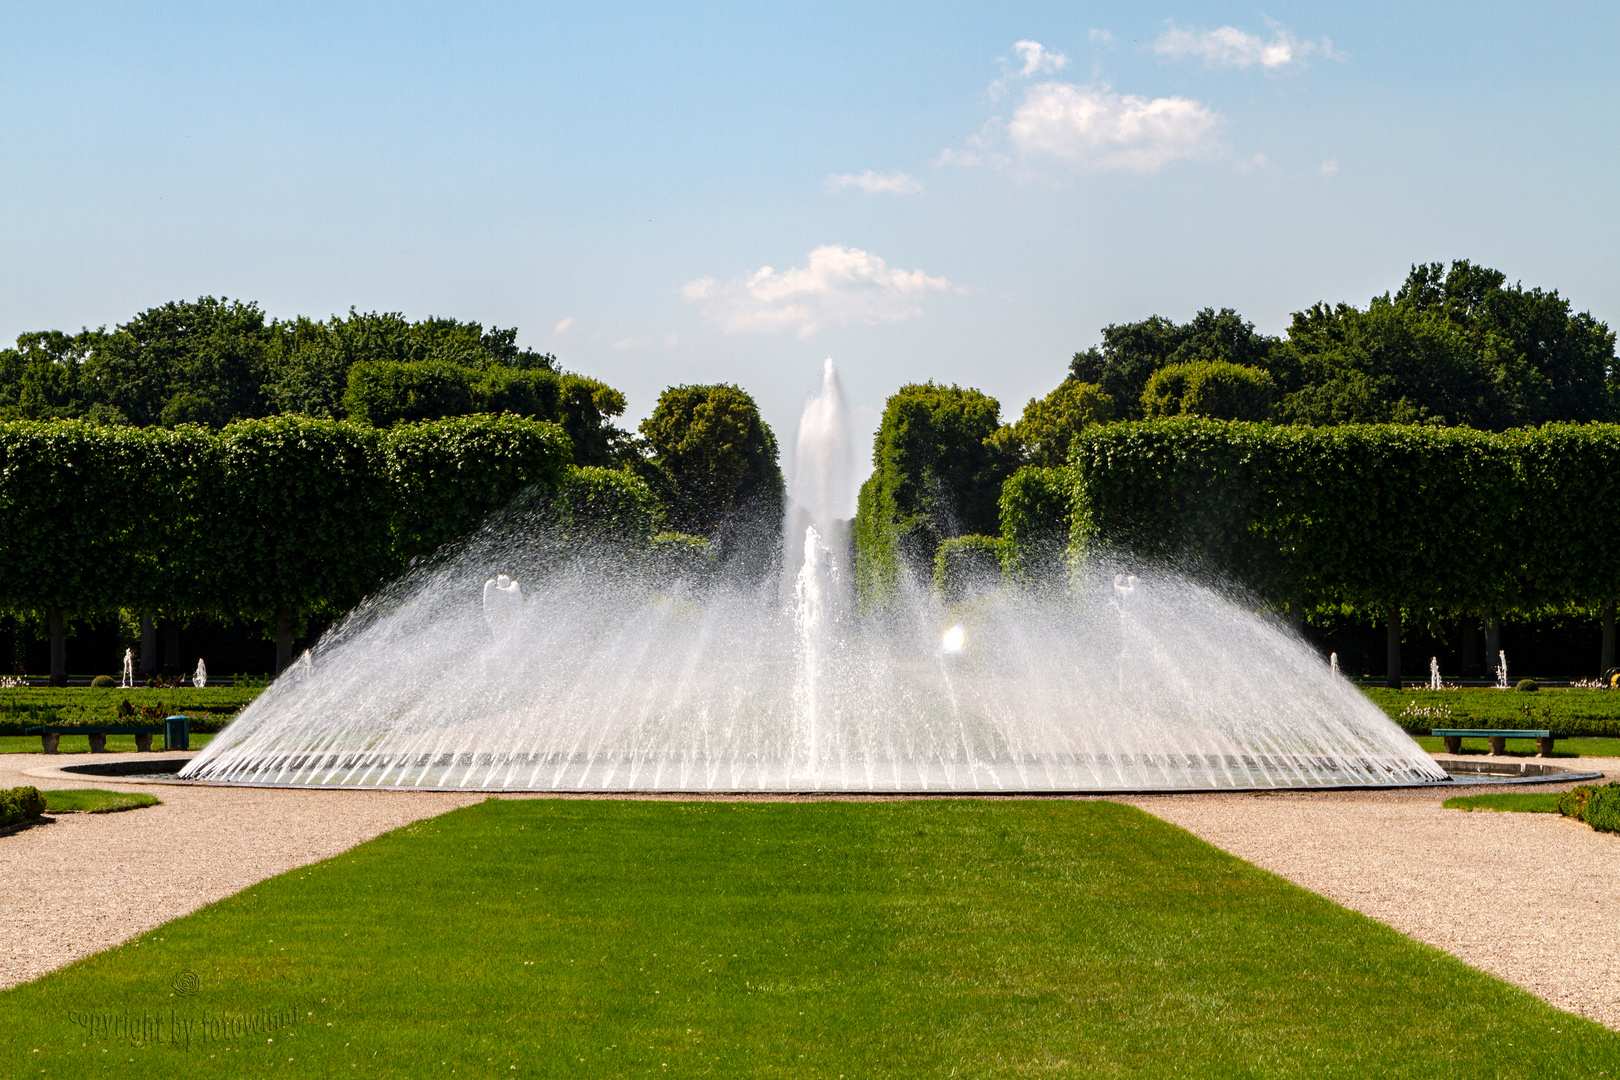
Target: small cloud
point(671, 339)
point(1328, 167)
point(1101, 37)
point(563, 326)
point(627, 343)
point(1100, 130)
point(875, 183)
point(1037, 60)
point(1227, 46)
point(839, 286)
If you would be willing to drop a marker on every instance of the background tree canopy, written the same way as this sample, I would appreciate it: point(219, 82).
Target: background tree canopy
point(1454, 346)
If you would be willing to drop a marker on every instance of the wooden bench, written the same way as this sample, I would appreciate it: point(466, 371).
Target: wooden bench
point(1498, 738)
point(176, 732)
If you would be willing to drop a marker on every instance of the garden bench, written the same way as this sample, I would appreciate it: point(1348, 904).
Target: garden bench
point(1498, 737)
point(176, 732)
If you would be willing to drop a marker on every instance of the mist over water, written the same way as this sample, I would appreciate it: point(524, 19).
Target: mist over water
point(613, 674)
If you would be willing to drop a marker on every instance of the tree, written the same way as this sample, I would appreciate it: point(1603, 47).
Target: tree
point(1131, 352)
point(1042, 435)
point(1210, 388)
point(203, 361)
point(937, 474)
point(712, 461)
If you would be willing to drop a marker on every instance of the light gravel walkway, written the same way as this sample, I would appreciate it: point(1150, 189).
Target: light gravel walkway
point(1531, 898)
point(87, 882)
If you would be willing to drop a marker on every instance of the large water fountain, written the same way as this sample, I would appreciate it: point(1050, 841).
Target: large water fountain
point(595, 671)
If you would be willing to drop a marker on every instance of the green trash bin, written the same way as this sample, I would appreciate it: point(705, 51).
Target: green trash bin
point(177, 733)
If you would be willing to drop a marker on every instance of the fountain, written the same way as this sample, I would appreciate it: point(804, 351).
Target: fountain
point(1434, 674)
point(200, 678)
point(604, 675)
point(128, 681)
point(1501, 669)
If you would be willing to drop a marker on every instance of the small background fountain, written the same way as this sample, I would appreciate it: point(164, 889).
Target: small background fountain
point(128, 681)
point(1501, 670)
point(200, 678)
point(602, 675)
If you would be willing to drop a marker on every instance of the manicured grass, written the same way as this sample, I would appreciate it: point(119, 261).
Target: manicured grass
point(80, 744)
point(1534, 803)
point(1563, 748)
point(1579, 712)
point(96, 801)
point(606, 938)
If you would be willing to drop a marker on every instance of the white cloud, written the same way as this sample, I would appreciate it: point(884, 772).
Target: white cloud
point(1097, 129)
point(563, 326)
point(1037, 60)
point(1227, 46)
point(627, 343)
point(1328, 167)
point(840, 286)
point(1101, 37)
point(875, 183)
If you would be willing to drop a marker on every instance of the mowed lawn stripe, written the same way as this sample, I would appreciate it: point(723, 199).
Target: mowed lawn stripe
point(647, 937)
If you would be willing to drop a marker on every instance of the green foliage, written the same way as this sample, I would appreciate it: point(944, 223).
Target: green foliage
point(383, 393)
point(676, 557)
point(936, 476)
point(303, 518)
point(11, 812)
point(1035, 512)
point(967, 564)
point(102, 681)
point(1360, 514)
point(1130, 353)
point(1572, 803)
point(1212, 388)
point(445, 477)
point(96, 801)
point(1042, 435)
point(712, 463)
point(1527, 685)
point(1603, 808)
point(29, 800)
point(1576, 712)
point(609, 506)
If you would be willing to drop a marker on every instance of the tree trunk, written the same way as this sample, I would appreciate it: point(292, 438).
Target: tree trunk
point(1607, 659)
point(1471, 667)
point(171, 648)
point(1392, 648)
point(149, 644)
point(284, 640)
point(1296, 617)
point(58, 629)
point(1493, 641)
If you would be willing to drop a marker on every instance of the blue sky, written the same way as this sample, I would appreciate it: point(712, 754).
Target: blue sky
point(960, 193)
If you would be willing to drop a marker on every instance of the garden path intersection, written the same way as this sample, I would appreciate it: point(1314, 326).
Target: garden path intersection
point(1531, 898)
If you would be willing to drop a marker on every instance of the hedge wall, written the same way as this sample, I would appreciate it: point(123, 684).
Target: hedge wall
point(1370, 515)
point(269, 519)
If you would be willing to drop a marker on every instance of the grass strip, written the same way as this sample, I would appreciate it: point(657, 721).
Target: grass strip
point(95, 801)
point(80, 744)
point(1562, 748)
point(1534, 803)
point(607, 938)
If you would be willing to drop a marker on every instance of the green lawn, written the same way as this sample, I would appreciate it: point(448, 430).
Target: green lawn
point(607, 938)
point(95, 801)
point(1527, 748)
point(1533, 803)
point(80, 744)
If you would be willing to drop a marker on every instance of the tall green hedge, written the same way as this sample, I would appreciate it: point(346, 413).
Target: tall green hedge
point(1372, 515)
point(270, 519)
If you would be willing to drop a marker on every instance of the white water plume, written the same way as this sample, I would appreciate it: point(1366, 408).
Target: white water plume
point(605, 674)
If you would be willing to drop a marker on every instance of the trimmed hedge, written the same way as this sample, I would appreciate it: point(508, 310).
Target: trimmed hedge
point(1369, 515)
point(20, 804)
point(965, 564)
point(1599, 807)
point(1035, 513)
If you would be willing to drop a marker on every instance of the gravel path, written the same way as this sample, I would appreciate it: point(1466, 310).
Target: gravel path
point(87, 882)
point(1532, 898)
